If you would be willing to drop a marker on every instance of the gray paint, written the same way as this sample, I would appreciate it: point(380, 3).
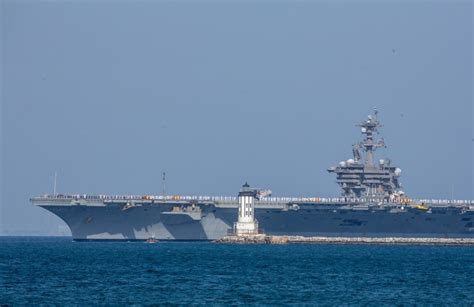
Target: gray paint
point(140, 223)
point(361, 177)
point(372, 213)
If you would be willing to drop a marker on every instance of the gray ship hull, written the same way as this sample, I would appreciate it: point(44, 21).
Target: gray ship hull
point(211, 222)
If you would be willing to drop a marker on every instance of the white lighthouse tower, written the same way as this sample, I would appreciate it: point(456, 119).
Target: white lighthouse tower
point(246, 222)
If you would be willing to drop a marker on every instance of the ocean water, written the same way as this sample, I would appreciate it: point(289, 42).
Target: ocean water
point(58, 271)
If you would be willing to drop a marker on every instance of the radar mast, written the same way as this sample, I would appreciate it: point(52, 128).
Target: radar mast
point(370, 127)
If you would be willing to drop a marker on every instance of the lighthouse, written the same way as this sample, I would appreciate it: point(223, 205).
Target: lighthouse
point(246, 222)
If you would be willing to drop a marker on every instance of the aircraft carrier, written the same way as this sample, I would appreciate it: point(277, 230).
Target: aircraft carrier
point(371, 204)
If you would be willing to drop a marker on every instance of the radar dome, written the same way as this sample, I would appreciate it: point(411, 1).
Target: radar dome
point(342, 164)
point(350, 161)
point(382, 161)
point(398, 171)
point(363, 130)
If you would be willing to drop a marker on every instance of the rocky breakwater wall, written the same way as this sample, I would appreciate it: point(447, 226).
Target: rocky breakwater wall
point(268, 239)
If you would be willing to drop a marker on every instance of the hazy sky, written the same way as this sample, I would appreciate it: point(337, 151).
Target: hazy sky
point(110, 94)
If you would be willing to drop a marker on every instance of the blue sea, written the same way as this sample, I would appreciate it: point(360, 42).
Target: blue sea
point(36, 270)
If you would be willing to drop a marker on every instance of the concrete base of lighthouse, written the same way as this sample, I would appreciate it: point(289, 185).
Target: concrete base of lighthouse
point(246, 228)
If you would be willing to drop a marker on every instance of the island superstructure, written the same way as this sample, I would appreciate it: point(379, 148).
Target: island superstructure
point(361, 177)
point(371, 204)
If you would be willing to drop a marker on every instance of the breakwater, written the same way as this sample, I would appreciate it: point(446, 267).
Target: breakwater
point(269, 239)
